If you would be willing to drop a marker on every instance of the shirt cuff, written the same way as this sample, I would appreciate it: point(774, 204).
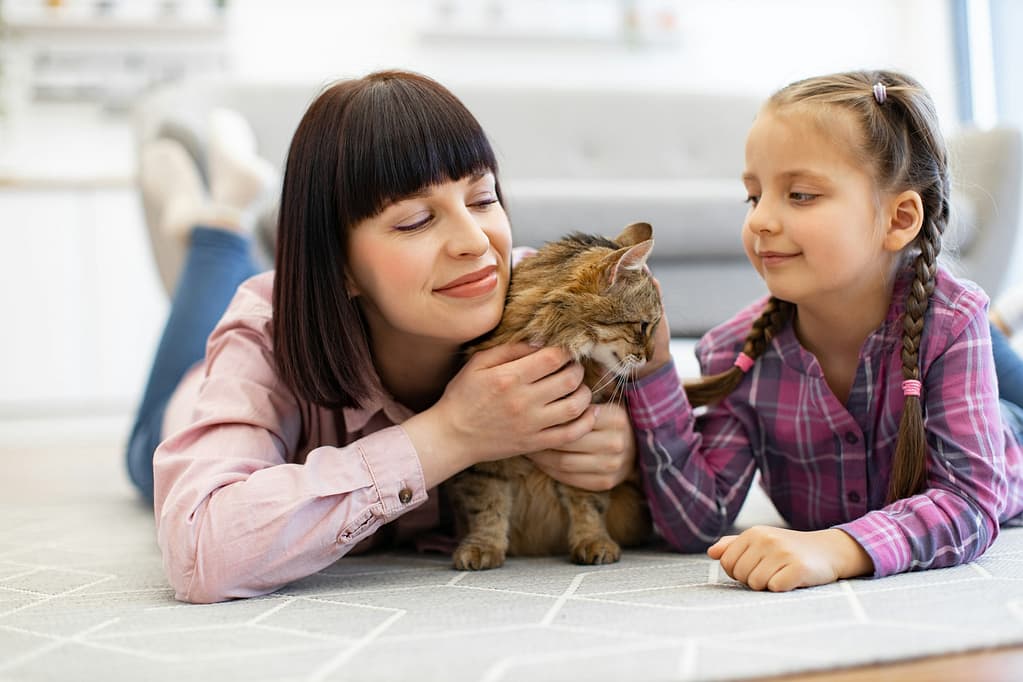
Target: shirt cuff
point(394, 466)
point(657, 399)
point(883, 540)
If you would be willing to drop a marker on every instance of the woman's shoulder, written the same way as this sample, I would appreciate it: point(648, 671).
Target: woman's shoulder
point(250, 308)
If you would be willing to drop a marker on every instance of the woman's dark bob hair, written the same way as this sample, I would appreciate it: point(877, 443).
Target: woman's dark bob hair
point(362, 145)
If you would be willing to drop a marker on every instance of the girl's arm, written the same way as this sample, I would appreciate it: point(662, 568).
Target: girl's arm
point(696, 477)
point(955, 519)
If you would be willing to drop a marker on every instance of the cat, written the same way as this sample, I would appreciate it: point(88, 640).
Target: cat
point(594, 297)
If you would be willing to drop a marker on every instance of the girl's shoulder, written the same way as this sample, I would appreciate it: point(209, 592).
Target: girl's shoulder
point(957, 301)
point(955, 304)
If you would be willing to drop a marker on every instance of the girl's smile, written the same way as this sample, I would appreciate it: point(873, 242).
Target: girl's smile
point(772, 259)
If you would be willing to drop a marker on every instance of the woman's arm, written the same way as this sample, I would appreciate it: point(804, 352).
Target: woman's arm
point(236, 519)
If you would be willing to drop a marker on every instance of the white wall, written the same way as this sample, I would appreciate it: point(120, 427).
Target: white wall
point(751, 46)
point(727, 45)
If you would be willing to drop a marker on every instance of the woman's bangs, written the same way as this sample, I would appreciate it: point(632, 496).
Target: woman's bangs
point(419, 138)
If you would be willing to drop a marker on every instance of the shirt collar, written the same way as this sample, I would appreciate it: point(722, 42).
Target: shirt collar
point(795, 356)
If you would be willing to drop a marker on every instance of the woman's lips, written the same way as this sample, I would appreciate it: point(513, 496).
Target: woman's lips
point(477, 283)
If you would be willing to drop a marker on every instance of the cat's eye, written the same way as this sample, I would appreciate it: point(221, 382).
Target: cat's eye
point(644, 327)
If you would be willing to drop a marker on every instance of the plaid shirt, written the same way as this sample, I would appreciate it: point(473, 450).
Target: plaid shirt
point(825, 464)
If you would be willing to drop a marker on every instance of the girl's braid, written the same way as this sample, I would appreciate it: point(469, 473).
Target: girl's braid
point(773, 318)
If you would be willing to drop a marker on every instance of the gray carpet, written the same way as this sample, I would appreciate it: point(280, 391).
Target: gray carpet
point(83, 597)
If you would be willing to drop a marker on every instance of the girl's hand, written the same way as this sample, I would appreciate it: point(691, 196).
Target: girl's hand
point(598, 461)
point(506, 400)
point(662, 343)
point(779, 559)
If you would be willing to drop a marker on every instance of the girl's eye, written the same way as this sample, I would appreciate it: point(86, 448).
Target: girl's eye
point(752, 200)
point(802, 197)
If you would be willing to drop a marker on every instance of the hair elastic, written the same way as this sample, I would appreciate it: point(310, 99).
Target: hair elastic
point(743, 362)
point(911, 387)
point(880, 92)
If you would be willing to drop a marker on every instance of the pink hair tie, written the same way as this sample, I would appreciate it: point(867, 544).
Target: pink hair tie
point(743, 362)
point(911, 387)
point(880, 92)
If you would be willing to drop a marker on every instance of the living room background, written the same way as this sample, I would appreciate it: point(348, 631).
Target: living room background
point(81, 299)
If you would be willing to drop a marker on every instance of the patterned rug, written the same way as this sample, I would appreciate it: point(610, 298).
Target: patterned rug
point(83, 597)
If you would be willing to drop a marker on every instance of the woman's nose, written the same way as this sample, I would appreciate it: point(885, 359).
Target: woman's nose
point(468, 237)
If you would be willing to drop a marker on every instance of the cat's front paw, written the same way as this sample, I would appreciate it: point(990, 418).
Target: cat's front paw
point(596, 551)
point(474, 556)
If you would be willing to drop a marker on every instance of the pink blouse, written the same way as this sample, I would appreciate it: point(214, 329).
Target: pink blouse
point(255, 488)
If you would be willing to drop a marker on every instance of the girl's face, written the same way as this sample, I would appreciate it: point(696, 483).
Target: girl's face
point(435, 265)
point(813, 229)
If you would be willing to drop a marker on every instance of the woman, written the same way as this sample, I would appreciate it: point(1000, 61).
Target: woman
point(331, 399)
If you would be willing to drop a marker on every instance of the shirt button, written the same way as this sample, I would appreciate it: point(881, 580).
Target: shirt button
point(853, 496)
point(851, 438)
point(405, 495)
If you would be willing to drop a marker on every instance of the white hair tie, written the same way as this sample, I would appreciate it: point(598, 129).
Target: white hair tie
point(880, 92)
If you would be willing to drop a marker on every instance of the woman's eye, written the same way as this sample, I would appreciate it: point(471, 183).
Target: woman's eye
point(412, 227)
point(802, 197)
point(752, 199)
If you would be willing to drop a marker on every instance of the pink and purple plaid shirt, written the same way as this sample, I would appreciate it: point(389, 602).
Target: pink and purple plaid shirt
point(825, 464)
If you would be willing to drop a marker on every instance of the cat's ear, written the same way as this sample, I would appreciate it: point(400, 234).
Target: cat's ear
point(632, 258)
point(634, 234)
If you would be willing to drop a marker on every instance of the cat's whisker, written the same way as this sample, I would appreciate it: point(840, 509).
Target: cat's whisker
point(605, 380)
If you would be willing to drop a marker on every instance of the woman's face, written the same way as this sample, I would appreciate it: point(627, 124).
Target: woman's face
point(434, 266)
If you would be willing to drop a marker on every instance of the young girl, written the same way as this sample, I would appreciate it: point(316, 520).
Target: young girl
point(330, 401)
point(864, 388)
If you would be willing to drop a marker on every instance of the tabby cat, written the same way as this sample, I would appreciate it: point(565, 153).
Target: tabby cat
point(595, 298)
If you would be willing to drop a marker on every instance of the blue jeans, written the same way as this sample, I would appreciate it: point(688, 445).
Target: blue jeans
point(1008, 367)
point(216, 263)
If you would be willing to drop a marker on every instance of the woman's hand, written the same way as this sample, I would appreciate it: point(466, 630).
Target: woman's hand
point(779, 559)
point(506, 400)
point(599, 460)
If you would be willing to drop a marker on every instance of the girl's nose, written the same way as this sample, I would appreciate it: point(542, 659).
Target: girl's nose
point(762, 219)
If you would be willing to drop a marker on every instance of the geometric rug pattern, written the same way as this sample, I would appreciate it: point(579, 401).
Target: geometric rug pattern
point(83, 597)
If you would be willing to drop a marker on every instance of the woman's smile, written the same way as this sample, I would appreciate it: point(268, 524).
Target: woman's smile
point(478, 283)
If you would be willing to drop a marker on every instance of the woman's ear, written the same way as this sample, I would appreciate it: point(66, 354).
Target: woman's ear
point(351, 289)
point(904, 218)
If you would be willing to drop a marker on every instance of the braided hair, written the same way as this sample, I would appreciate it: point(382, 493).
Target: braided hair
point(902, 144)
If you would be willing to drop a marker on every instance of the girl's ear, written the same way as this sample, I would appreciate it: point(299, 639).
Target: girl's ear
point(904, 218)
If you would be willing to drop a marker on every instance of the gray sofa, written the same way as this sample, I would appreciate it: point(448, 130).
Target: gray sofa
point(595, 160)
